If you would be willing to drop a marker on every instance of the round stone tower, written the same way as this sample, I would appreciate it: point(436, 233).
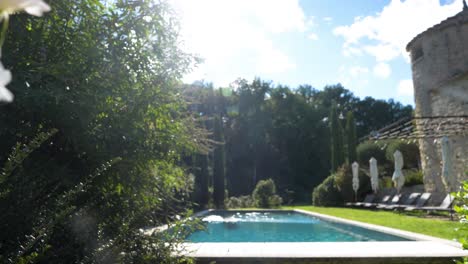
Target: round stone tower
point(439, 59)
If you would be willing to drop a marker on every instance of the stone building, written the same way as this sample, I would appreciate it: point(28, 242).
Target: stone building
point(439, 58)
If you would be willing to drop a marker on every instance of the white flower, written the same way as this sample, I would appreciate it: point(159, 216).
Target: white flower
point(32, 7)
point(5, 78)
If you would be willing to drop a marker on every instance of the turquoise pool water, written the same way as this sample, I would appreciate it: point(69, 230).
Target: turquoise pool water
point(287, 226)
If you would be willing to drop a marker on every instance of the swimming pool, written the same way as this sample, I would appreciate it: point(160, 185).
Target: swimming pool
point(263, 241)
point(280, 226)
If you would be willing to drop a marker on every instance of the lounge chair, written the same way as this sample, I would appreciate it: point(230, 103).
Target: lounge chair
point(382, 201)
point(407, 202)
point(446, 205)
point(394, 201)
point(368, 199)
point(420, 203)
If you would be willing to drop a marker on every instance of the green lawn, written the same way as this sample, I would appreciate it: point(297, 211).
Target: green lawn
point(433, 227)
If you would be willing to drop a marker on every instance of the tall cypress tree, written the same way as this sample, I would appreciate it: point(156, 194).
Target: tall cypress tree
point(336, 135)
point(351, 140)
point(202, 195)
point(218, 167)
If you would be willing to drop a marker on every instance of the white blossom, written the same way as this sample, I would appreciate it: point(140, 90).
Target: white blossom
point(5, 78)
point(32, 7)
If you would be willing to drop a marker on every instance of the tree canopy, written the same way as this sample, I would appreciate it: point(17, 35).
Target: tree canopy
point(283, 133)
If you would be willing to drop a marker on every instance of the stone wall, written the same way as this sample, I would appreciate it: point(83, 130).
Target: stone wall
point(440, 76)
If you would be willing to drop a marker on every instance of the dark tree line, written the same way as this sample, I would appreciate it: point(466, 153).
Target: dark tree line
point(285, 134)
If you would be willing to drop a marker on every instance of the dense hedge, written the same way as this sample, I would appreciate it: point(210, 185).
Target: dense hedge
point(367, 150)
point(410, 153)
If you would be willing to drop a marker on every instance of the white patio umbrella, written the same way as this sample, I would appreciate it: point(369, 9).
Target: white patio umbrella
point(374, 174)
point(448, 176)
point(355, 169)
point(398, 178)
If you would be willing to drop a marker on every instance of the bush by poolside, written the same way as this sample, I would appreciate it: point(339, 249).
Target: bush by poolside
point(244, 201)
point(327, 194)
point(265, 195)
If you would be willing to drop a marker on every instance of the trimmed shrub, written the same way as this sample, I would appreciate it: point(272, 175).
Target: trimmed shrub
point(327, 194)
point(338, 188)
point(276, 201)
point(232, 202)
point(410, 153)
point(244, 201)
point(367, 150)
point(264, 194)
point(413, 177)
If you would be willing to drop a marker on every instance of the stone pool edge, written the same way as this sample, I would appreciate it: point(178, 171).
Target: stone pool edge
point(424, 246)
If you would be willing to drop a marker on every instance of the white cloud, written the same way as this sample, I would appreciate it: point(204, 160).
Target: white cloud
point(312, 36)
point(405, 88)
point(274, 61)
point(382, 70)
point(356, 71)
point(354, 77)
point(328, 19)
point(382, 52)
point(223, 31)
point(385, 34)
point(311, 22)
point(352, 51)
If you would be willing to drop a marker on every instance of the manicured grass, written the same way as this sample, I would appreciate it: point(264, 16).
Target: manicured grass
point(433, 227)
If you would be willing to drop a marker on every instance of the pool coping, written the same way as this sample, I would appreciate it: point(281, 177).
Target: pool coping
point(423, 246)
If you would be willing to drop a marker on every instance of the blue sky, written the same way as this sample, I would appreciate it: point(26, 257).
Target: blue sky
point(358, 43)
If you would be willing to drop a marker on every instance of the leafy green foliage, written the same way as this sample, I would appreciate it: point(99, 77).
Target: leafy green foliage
point(386, 182)
point(383, 152)
point(372, 114)
point(337, 188)
point(276, 201)
point(413, 177)
point(264, 195)
point(105, 76)
point(410, 152)
point(327, 194)
point(367, 150)
point(460, 207)
point(22, 151)
point(244, 201)
point(344, 183)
